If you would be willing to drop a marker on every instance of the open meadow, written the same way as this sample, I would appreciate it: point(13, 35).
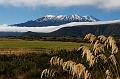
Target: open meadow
point(9, 43)
point(19, 46)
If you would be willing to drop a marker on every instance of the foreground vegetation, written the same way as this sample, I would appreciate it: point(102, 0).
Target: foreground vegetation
point(101, 61)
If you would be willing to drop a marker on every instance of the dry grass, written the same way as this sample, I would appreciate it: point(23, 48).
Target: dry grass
point(101, 60)
point(20, 51)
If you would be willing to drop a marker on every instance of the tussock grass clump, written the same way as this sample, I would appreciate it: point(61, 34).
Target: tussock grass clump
point(89, 55)
point(98, 62)
point(48, 73)
point(91, 38)
point(98, 48)
point(74, 69)
point(56, 61)
point(108, 74)
point(102, 38)
point(110, 43)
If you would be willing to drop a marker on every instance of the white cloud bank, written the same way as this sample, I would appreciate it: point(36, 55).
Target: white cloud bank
point(6, 28)
point(108, 4)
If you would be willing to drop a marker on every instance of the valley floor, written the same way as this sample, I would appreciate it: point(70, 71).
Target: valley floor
point(18, 46)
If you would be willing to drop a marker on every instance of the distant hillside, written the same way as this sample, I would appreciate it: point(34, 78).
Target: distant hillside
point(81, 30)
point(5, 34)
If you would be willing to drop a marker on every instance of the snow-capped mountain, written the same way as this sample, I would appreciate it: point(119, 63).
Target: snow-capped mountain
point(53, 20)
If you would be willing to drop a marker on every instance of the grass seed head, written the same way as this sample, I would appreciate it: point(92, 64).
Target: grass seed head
point(79, 70)
point(102, 38)
point(108, 74)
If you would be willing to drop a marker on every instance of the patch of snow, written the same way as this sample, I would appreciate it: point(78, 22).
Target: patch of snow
point(50, 16)
point(67, 18)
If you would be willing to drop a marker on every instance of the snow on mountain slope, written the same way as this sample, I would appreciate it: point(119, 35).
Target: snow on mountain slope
point(53, 20)
point(6, 28)
point(71, 18)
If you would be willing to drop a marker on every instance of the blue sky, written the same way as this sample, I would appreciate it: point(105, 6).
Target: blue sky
point(19, 11)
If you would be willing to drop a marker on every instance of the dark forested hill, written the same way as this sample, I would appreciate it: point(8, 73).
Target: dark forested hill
point(78, 31)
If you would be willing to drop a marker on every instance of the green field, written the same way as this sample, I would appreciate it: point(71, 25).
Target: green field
point(38, 44)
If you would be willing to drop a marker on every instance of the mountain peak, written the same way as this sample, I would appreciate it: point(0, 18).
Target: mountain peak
point(74, 18)
point(77, 15)
point(54, 20)
point(91, 18)
point(50, 16)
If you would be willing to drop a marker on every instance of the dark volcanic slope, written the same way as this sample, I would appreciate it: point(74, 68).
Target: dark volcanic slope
point(78, 31)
